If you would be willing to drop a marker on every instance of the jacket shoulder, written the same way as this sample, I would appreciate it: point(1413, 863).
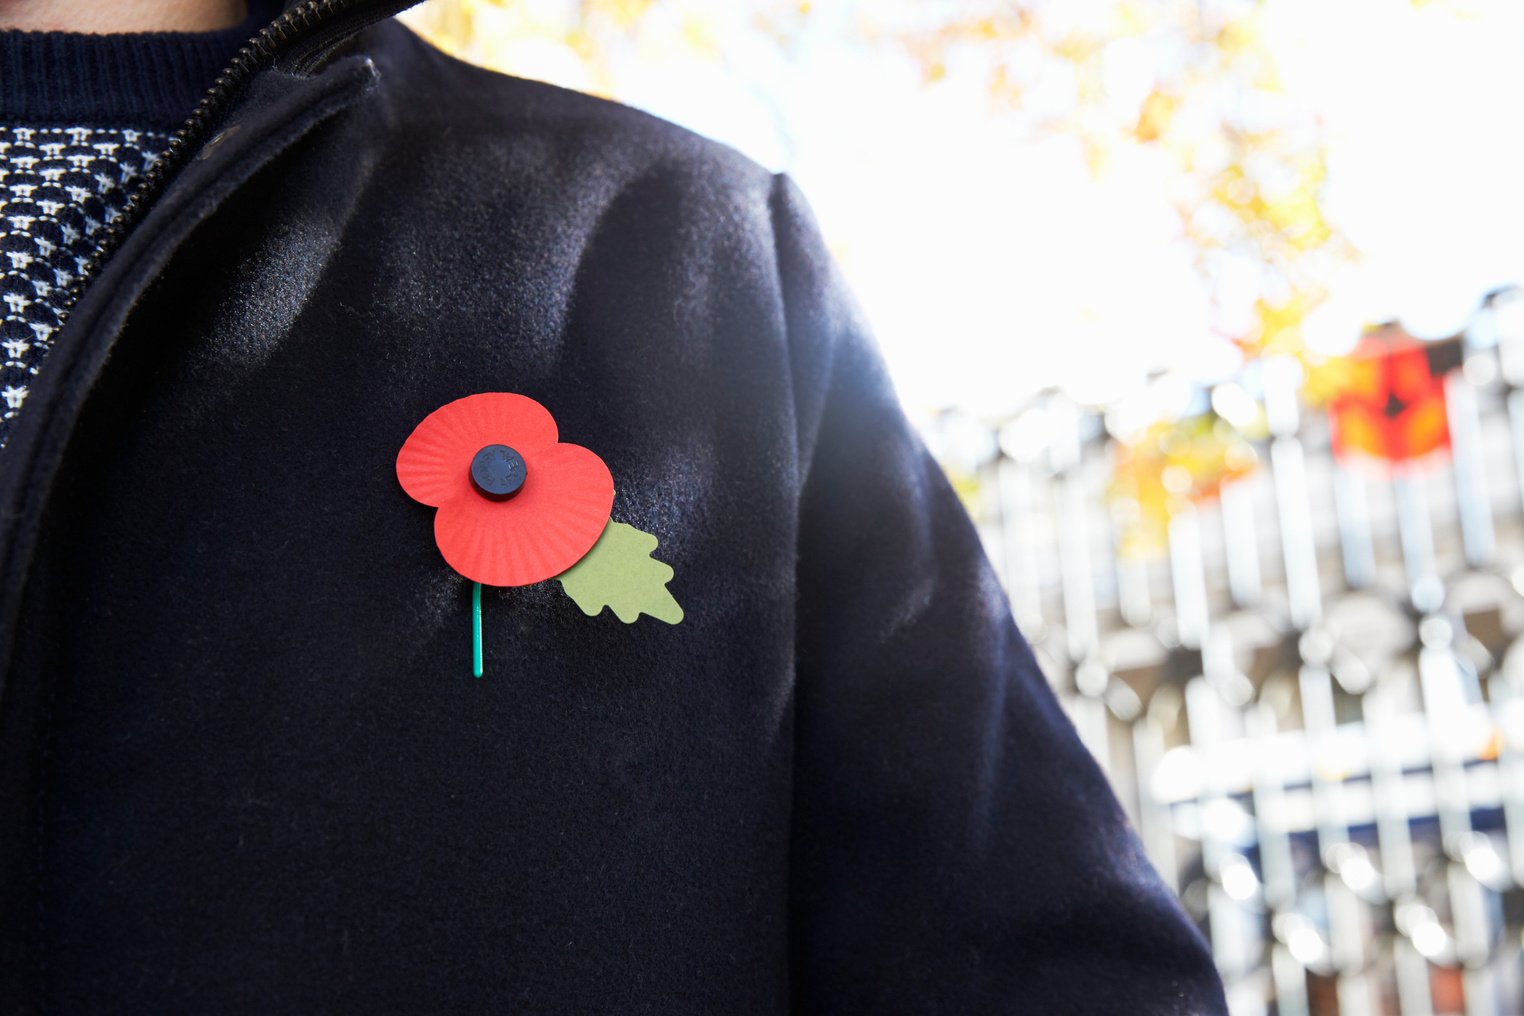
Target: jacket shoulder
point(430, 92)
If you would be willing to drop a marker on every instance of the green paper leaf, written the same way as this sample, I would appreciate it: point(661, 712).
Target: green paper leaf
point(619, 572)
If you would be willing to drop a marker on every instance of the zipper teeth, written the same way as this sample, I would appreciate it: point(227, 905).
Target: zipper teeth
point(290, 25)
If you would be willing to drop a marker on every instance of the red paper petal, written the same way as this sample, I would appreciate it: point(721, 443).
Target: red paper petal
point(435, 461)
point(546, 527)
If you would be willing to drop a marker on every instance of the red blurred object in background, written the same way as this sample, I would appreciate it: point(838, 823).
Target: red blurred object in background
point(1392, 403)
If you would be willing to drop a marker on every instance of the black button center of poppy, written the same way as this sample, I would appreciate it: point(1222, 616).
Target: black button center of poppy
point(497, 472)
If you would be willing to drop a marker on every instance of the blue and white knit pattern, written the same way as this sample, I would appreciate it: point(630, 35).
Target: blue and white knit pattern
point(58, 187)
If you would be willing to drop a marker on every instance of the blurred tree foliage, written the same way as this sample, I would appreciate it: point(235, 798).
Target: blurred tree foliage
point(1194, 81)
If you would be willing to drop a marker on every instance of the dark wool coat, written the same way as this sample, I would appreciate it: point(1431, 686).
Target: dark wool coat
point(244, 766)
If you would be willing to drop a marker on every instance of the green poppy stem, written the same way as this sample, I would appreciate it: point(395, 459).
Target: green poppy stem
point(476, 628)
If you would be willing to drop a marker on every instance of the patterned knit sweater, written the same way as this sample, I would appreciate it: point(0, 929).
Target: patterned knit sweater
point(58, 187)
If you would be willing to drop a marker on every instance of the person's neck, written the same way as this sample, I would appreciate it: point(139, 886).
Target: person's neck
point(95, 17)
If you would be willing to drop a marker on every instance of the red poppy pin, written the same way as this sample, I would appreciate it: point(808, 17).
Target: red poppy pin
point(518, 506)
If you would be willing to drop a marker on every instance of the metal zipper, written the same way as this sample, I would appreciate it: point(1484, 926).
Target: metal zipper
point(311, 18)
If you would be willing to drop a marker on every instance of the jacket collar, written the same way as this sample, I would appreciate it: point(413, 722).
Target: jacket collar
point(287, 80)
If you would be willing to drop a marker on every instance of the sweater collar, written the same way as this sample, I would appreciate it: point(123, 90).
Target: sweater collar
point(138, 79)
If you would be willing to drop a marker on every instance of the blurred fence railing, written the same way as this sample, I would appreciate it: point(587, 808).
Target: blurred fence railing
point(1310, 697)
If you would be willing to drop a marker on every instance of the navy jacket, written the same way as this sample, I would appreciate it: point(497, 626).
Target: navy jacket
point(244, 766)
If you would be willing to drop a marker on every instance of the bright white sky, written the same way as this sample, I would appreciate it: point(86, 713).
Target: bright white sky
point(991, 266)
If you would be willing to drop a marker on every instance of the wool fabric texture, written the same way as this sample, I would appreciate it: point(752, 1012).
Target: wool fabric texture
point(243, 764)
